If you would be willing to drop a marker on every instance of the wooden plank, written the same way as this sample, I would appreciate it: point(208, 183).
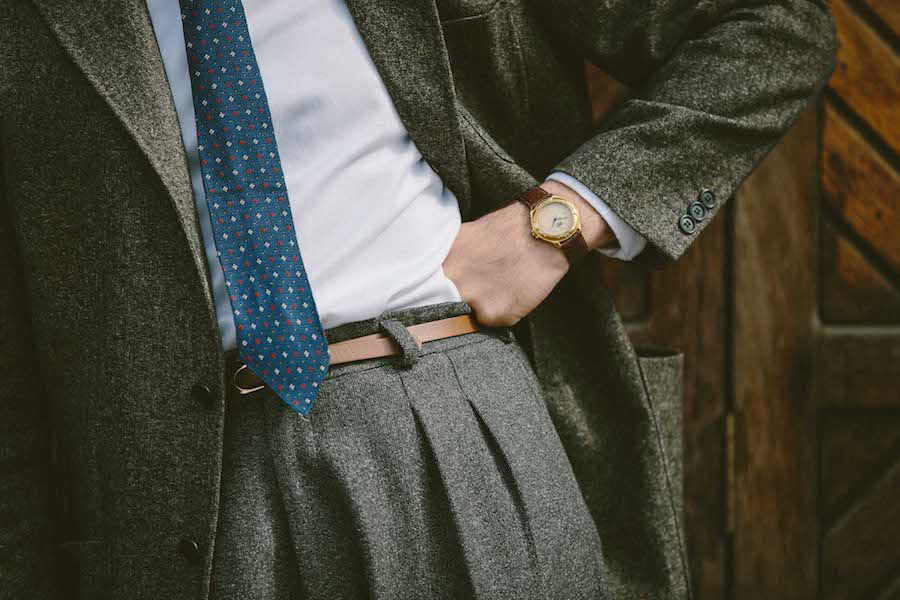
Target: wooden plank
point(856, 446)
point(861, 187)
point(867, 77)
point(861, 549)
point(775, 425)
point(888, 12)
point(858, 368)
point(851, 291)
point(687, 311)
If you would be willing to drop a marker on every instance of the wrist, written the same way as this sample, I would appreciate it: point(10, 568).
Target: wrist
point(594, 228)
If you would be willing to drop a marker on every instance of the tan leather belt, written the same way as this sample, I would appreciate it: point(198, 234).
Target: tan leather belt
point(375, 345)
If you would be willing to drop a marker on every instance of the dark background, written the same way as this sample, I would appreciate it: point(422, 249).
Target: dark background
point(788, 310)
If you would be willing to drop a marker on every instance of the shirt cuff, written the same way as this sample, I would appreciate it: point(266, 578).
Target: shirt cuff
point(631, 243)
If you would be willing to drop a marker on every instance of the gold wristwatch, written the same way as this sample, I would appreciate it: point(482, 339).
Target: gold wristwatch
point(555, 220)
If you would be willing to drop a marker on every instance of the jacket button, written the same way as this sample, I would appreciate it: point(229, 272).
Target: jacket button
point(708, 198)
point(189, 550)
point(687, 225)
point(697, 211)
point(202, 394)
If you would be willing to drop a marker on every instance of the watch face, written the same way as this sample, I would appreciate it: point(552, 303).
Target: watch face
point(555, 219)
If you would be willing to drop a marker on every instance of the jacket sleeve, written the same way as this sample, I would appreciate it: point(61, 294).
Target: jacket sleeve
point(717, 84)
point(26, 565)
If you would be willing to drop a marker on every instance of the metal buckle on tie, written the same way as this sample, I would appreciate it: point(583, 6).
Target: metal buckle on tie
point(242, 390)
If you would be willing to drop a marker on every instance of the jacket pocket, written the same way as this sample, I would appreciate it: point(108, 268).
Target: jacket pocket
point(483, 47)
point(662, 373)
point(454, 10)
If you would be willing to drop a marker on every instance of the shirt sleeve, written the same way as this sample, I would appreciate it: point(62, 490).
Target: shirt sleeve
point(631, 243)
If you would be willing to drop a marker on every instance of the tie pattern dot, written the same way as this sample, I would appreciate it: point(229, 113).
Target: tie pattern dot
point(280, 336)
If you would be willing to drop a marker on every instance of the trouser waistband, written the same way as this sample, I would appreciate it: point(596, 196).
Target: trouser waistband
point(392, 323)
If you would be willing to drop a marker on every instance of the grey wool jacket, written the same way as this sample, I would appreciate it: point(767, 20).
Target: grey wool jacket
point(106, 316)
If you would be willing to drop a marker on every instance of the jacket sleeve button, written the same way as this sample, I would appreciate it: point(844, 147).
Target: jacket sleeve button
point(708, 198)
point(687, 225)
point(189, 550)
point(697, 211)
point(202, 395)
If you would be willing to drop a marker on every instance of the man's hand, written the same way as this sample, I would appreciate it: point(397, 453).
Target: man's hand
point(502, 271)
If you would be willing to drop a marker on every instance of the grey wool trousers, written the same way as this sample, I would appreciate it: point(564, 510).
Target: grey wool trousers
point(436, 474)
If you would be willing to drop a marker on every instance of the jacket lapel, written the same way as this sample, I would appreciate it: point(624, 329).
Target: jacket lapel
point(113, 43)
point(406, 44)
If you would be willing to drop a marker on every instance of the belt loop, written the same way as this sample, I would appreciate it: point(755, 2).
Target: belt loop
point(407, 342)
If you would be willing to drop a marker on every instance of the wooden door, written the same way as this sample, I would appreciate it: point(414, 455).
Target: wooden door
point(857, 329)
point(788, 309)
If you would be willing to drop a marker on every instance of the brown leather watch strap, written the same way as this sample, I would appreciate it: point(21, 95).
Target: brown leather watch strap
point(575, 247)
point(532, 196)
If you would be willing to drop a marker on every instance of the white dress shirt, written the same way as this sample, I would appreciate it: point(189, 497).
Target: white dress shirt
point(374, 222)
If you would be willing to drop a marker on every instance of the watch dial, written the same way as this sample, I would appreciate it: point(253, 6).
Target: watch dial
point(554, 219)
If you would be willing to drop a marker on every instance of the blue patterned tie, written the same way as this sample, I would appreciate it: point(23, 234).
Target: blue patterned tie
point(279, 333)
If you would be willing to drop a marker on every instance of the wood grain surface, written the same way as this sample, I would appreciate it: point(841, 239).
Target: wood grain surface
point(861, 186)
point(775, 496)
point(866, 76)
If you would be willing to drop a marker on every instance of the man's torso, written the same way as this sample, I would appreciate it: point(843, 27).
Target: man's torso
point(97, 191)
point(373, 220)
